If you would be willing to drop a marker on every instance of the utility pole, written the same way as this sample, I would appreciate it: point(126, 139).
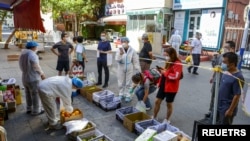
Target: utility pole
point(245, 34)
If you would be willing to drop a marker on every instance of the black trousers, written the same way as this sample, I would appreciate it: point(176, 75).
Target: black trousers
point(196, 62)
point(103, 65)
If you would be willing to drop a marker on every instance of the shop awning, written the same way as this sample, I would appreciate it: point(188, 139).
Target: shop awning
point(115, 18)
point(26, 13)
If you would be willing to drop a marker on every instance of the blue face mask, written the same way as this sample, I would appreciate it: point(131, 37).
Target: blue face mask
point(224, 67)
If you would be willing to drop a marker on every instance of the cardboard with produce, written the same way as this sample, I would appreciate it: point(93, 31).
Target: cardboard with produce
point(75, 115)
point(90, 136)
point(90, 126)
point(84, 90)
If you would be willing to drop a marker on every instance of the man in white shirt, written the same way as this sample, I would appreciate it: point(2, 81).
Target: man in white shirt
point(196, 53)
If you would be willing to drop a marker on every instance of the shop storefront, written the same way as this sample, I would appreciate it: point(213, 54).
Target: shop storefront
point(156, 22)
point(202, 16)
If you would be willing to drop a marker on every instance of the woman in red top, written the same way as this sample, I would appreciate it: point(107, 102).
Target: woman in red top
point(169, 82)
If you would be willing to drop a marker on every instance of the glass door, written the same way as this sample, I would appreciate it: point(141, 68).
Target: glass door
point(194, 25)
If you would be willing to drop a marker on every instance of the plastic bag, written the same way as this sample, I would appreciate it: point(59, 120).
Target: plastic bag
point(109, 59)
point(91, 77)
point(246, 100)
point(75, 125)
point(140, 105)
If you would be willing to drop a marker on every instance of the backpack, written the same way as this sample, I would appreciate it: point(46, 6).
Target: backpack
point(153, 75)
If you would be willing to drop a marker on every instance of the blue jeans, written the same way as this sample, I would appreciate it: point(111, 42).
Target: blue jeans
point(139, 92)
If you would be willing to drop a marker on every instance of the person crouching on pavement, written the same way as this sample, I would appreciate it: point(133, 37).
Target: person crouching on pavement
point(57, 87)
point(127, 60)
point(144, 89)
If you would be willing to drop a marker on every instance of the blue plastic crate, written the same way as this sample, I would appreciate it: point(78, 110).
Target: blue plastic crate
point(120, 113)
point(141, 126)
point(105, 95)
point(164, 126)
point(107, 106)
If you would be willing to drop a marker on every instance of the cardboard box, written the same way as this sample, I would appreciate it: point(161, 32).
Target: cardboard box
point(11, 106)
point(4, 110)
point(88, 135)
point(89, 94)
point(13, 57)
point(147, 135)
point(74, 134)
point(130, 120)
point(165, 136)
point(84, 90)
point(75, 117)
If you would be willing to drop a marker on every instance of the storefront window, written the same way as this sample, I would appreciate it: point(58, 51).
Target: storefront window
point(135, 22)
point(130, 24)
point(142, 22)
point(150, 23)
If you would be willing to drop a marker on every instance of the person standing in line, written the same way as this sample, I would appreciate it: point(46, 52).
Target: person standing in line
point(103, 49)
point(127, 60)
point(175, 41)
point(169, 82)
point(64, 48)
point(228, 47)
point(146, 54)
point(31, 76)
point(230, 89)
point(81, 53)
point(196, 50)
point(53, 88)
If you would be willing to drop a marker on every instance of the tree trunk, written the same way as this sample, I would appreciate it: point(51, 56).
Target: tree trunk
point(1, 31)
point(6, 45)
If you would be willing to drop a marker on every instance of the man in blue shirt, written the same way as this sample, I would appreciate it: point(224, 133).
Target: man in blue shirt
point(230, 89)
point(103, 49)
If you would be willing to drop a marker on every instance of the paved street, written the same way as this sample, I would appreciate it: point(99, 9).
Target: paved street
point(191, 102)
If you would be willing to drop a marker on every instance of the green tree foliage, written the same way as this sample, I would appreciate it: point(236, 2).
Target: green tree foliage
point(80, 8)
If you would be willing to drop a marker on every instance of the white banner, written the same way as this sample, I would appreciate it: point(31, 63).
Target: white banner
point(194, 4)
point(210, 27)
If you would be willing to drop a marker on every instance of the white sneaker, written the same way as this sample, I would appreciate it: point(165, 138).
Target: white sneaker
point(148, 108)
point(166, 121)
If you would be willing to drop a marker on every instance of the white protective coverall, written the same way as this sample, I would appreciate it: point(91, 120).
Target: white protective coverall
point(175, 41)
point(49, 90)
point(126, 64)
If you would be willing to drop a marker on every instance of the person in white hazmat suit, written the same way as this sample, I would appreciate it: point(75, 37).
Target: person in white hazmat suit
point(128, 60)
point(57, 87)
point(175, 41)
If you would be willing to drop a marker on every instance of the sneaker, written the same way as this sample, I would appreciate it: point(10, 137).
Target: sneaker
point(195, 73)
point(28, 112)
point(148, 108)
point(189, 70)
point(36, 114)
point(97, 84)
point(58, 126)
point(207, 115)
point(105, 86)
point(166, 121)
point(127, 99)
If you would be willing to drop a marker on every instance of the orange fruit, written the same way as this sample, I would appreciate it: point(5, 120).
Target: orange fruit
point(77, 112)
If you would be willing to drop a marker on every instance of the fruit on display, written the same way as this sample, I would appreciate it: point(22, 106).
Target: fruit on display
point(180, 137)
point(89, 125)
point(67, 114)
point(89, 138)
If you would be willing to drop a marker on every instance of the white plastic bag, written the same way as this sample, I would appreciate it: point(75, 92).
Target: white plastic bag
point(140, 105)
point(75, 125)
point(109, 59)
point(91, 77)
